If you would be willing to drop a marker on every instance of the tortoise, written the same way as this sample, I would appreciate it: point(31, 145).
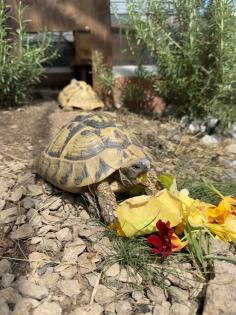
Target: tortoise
point(79, 94)
point(93, 153)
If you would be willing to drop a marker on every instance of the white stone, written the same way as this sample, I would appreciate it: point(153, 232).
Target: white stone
point(28, 288)
point(69, 287)
point(5, 266)
point(4, 309)
point(104, 295)
point(24, 306)
point(64, 235)
point(17, 194)
point(49, 280)
point(47, 308)
point(7, 279)
point(69, 272)
point(37, 259)
point(113, 270)
point(2, 204)
point(156, 294)
point(35, 190)
point(163, 309)
point(93, 309)
point(50, 245)
point(8, 215)
point(24, 231)
point(231, 148)
point(123, 308)
point(209, 140)
point(129, 276)
point(180, 309)
point(10, 295)
point(73, 250)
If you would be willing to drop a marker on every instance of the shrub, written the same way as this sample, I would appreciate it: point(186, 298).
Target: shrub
point(21, 63)
point(193, 43)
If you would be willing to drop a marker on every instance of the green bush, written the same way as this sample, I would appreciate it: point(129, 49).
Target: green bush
point(20, 61)
point(193, 43)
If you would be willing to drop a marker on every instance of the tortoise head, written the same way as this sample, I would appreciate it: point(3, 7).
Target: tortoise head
point(136, 169)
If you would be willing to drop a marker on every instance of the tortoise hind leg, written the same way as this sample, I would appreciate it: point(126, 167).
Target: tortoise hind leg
point(107, 201)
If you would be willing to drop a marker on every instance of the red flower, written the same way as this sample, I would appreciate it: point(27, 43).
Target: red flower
point(164, 241)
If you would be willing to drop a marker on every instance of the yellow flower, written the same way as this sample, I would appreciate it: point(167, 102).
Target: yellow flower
point(138, 215)
point(225, 231)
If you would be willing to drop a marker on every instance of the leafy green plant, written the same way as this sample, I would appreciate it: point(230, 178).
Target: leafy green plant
point(104, 76)
point(21, 62)
point(194, 46)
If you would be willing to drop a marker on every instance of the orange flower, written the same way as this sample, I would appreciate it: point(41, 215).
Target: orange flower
point(164, 240)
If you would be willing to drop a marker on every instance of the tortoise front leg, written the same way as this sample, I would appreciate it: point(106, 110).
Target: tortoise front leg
point(107, 201)
point(151, 184)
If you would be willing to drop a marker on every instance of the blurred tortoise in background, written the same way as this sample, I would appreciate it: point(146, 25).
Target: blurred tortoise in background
point(94, 154)
point(79, 94)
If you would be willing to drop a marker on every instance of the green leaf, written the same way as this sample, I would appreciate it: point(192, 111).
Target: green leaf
point(169, 182)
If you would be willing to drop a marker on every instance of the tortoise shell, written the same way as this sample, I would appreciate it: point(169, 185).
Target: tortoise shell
point(79, 94)
point(87, 150)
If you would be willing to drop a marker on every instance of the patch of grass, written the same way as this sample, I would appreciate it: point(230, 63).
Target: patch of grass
point(134, 255)
point(199, 190)
point(198, 248)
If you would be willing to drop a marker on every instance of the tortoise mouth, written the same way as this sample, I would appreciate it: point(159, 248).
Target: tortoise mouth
point(136, 169)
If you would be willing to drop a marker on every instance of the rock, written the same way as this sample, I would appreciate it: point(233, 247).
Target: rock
point(69, 272)
point(50, 245)
point(110, 308)
point(38, 259)
point(69, 287)
point(73, 250)
point(156, 294)
point(10, 295)
point(30, 289)
point(113, 271)
point(86, 265)
point(2, 204)
point(103, 246)
point(129, 276)
point(90, 231)
point(24, 306)
point(8, 215)
point(231, 148)
point(21, 219)
point(49, 280)
point(17, 194)
point(163, 309)
point(93, 309)
point(219, 247)
point(64, 235)
point(47, 308)
point(92, 278)
point(7, 279)
point(180, 309)
point(35, 240)
point(5, 267)
point(209, 140)
point(104, 295)
point(143, 309)
point(55, 203)
point(140, 298)
point(35, 190)
point(123, 308)
point(28, 203)
point(177, 295)
point(4, 309)
point(22, 232)
point(221, 291)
